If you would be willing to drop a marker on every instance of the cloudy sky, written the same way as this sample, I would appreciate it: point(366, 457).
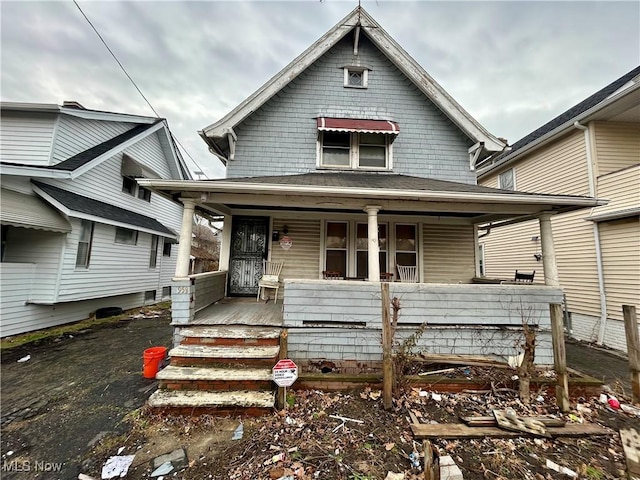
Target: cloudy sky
point(512, 65)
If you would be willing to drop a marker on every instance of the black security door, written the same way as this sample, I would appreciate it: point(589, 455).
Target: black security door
point(248, 250)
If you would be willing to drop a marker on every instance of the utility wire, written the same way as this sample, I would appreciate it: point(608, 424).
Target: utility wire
point(132, 81)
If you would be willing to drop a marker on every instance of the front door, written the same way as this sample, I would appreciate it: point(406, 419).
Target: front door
point(248, 250)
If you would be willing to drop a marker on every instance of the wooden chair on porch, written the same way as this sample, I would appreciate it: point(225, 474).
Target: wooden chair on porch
point(386, 277)
point(408, 273)
point(520, 277)
point(270, 278)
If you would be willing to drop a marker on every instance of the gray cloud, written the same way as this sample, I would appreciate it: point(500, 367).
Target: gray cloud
point(512, 65)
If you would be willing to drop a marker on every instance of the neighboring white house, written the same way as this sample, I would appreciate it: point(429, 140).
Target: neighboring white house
point(78, 232)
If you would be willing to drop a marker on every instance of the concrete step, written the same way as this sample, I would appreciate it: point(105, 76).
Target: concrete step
point(189, 402)
point(196, 373)
point(214, 379)
point(230, 335)
point(253, 356)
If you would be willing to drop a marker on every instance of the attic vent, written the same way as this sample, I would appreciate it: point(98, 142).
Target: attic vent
point(356, 77)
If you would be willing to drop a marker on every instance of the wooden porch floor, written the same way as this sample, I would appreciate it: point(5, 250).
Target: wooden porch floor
point(241, 311)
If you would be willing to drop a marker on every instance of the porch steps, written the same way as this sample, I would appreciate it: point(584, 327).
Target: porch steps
point(221, 370)
point(193, 402)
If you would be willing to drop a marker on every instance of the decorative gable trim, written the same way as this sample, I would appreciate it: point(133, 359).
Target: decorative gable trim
point(356, 20)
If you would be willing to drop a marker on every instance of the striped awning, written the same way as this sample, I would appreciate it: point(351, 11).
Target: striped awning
point(358, 125)
point(29, 211)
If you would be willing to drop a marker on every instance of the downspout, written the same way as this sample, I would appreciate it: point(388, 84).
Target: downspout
point(596, 236)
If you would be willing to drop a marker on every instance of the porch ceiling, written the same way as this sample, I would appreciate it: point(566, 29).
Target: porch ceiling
point(350, 193)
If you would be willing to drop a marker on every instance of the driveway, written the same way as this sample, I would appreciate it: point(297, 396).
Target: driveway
point(72, 392)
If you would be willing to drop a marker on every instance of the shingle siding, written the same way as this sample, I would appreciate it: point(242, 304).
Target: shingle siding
point(280, 138)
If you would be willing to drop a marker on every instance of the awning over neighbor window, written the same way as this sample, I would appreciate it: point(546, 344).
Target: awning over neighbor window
point(29, 211)
point(131, 168)
point(358, 125)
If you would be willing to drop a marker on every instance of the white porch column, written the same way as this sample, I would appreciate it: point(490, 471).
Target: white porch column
point(373, 246)
point(184, 247)
point(225, 245)
point(548, 251)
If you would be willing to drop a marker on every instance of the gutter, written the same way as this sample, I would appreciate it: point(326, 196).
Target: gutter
point(314, 190)
point(596, 237)
point(556, 132)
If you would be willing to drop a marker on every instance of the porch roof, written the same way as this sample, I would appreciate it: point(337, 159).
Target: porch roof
point(352, 191)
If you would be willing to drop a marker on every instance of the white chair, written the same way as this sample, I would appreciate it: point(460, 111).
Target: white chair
point(408, 273)
point(270, 278)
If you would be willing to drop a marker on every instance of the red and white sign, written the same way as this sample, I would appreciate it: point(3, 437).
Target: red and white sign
point(286, 243)
point(285, 373)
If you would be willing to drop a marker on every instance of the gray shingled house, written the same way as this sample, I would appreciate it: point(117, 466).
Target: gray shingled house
point(352, 166)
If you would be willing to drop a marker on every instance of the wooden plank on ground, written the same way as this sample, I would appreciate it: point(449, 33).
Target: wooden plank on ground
point(491, 421)
point(463, 360)
point(460, 431)
point(631, 445)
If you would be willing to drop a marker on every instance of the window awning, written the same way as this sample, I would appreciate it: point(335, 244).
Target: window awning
point(358, 125)
point(131, 168)
point(29, 211)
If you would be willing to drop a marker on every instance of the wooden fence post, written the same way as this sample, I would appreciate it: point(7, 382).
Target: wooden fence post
point(387, 354)
point(633, 348)
point(559, 357)
point(281, 399)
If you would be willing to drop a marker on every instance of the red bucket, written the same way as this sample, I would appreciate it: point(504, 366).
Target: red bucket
point(152, 358)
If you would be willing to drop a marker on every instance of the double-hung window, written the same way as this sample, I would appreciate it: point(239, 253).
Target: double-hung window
point(126, 236)
point(353, 144)
point(84, 244)
point(336, 247)
point(406, 245)
point(153, 253)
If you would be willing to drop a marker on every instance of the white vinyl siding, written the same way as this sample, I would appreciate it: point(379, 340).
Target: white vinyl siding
point(115, 269)
point(38, 250)
point(302, 259)
point(76, 135)
point(26, 139)
point(620, 243)
point(449, 253)
point(617, 145)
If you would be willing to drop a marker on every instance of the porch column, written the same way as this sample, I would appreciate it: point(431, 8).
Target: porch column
point(184, 247)
point(373, 246)
point(548, 251)
point(225, 245)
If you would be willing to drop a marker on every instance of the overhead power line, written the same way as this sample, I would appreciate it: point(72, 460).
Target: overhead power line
point(131, 80)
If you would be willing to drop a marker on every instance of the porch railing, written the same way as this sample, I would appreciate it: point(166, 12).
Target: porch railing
point(209, 287)
point(343, 319)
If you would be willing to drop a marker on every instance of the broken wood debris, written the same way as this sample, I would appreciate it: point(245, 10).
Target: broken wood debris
point(508, 420)
point(491, 421)
point(461, 431)
point(466, 360)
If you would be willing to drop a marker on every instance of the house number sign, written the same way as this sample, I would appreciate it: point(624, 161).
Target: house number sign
point(286, 243)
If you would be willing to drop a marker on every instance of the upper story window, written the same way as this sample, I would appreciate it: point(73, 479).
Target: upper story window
point(356, 144)
point(356, 77)
point(507, 180)
point(131, 187)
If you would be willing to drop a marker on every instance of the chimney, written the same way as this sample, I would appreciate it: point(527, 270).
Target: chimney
point(73, 104)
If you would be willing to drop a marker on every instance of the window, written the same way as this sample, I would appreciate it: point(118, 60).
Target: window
point(126, 236)
point(84, 244)
point(507, 180)
point(149, 296)
point(356, 77)
point(144, 194)
point(369, 151)
point(166, 248)
point(153, 254)
point(362, 247)
point(406, 241)
point(166, 291)
point(129, 185)
point(481, 269)
point(336, 247)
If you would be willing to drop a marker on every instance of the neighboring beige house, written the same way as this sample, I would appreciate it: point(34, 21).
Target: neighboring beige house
point(592, 149)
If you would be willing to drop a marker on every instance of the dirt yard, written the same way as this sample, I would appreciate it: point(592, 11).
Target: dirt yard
point(79, 400)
